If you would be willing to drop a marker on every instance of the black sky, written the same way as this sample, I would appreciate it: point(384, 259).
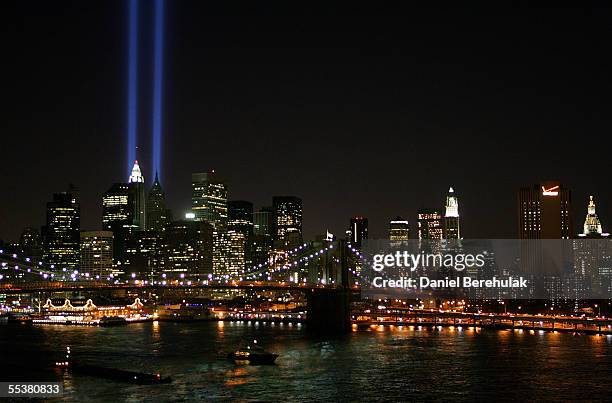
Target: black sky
point(371, 110)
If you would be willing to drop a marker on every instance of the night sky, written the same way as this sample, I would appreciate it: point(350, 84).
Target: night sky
point(370, 111)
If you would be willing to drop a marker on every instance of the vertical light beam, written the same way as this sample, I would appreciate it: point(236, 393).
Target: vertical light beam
point(132, 83)
point(158, 69)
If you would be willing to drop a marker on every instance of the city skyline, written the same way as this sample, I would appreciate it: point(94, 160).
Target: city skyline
point(136, 177)
point(335, 125)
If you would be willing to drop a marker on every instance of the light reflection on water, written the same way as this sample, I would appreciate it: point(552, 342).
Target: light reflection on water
point(381, 362)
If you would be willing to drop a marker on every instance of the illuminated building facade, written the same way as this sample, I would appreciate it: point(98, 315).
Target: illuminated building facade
point(97, 253)
point(263, 230)
point(188, 250)
point(157, 214)
point(209, 199)
point(544, 212)
point(451, 216)
point(136, 184)
point(430, 224)
point(287, 222)
point(117, 216)
point(240, 217)
point(143, 255)
point(62, 232)
point(359, 230)
point(399, 230)
point(228, 253)
point(592, 226)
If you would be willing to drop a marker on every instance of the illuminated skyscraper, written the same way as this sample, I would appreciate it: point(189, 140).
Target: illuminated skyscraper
point(451, 216)
point(399, 230)
point(62, 232)
point(209, 199)
point(430, 224)
point(136, 183)
point(263, 230)
point(188, 250)
point(97, 254)
point(287, 221)
point(544, 212)
point(118, 217)
point(228, 253)
point(359, 230)
point(157, 215)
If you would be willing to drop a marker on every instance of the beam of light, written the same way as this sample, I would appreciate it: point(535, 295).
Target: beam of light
point(158, 69)
point(132, 107)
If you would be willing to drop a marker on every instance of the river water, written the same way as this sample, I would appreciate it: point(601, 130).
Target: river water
point(377, 364)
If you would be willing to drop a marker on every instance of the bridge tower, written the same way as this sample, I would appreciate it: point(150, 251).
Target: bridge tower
point(329, 308)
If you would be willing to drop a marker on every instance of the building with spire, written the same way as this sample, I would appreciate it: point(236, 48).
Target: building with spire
point(157, 214)
point(451, 216)
point(136, 184)
point(592, 226)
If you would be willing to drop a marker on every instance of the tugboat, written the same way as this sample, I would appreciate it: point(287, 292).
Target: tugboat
point(253, 354)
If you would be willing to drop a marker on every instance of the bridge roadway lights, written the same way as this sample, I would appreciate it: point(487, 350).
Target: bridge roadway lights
point(329, 310)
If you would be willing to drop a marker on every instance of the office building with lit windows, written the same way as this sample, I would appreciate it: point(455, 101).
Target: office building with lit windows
point(287, 222)
point(187, 250)
point(118, 217)
point(97, 254)
point(544, 212)
point(209, 199)
point(228, 254)
point(430, 224)
point(359, 230)
point(61, 234)
point(399, 230)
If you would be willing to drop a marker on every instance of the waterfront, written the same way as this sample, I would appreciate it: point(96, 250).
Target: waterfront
point(382, 363)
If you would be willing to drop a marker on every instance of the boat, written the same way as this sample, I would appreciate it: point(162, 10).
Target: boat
point(139, 378)
point(253, 354)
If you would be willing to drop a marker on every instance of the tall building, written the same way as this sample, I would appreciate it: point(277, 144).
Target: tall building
point(592, 225)
point(157, 214)
point(263, 221)
point(209, 199)
point(136, 184)
point(287, 221)
point(430, 224)
point(399, 230)
point(263, 230)
point(359, 230)
point(228, 253)
point(544, 212)
point(62, 232)
point(240, 217)
point(188, 249)
point(143, 255)
point(97, 253)
point(451, 216)
point(118, 217)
